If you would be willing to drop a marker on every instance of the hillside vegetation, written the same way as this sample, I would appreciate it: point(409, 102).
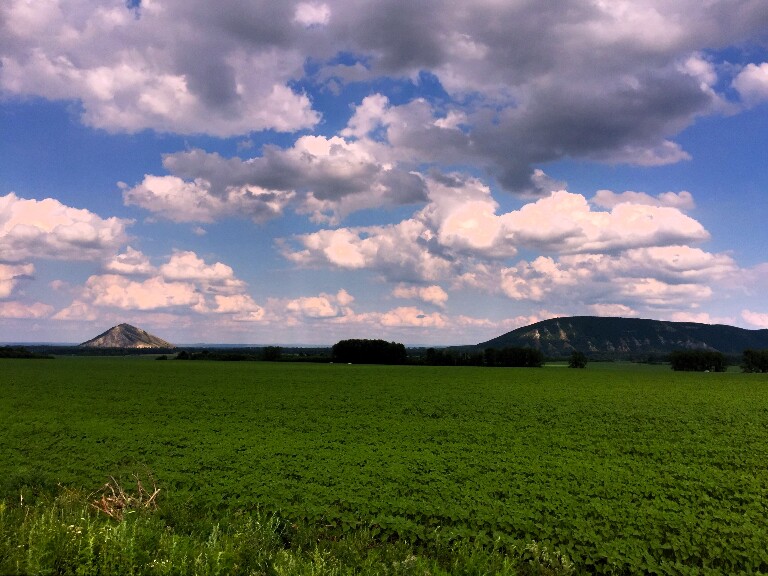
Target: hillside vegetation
point(614, 338)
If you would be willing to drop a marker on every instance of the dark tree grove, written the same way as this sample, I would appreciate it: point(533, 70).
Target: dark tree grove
point(578, 360)
point(505, 357)
point(20, 352)
point(755, 361)
point(369, 352)
point(220, 355)
point(443, 357)
point(514, 358)
point(697, 361)
point(272, 353)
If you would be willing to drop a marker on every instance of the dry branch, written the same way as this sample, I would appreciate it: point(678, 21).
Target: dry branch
point(115, 502)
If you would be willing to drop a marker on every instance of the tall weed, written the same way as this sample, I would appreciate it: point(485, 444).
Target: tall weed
point(67, 535)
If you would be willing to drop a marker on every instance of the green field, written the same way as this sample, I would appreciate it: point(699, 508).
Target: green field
point(624, 468)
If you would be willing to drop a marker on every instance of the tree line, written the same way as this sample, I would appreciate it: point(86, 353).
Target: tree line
point(21, 352)
point(361, 351)
point(755, 361)
point(712, 361)
point(364, 351)
point(268, 353)
point(367, 351)
point(510, 357)
point(697, 361)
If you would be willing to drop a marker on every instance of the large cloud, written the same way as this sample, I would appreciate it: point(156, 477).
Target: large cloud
point(758, 319)
point(186, 266)
point(432, 294)
point(320, 307)
point(130, 262)
point(461, 222)
point(637, 254)
point(242, 307)
point(173, 66)
point(659, 278)
point(24, 310)
point(111, 290)
point(752, 83)
point(10, 275)
point(47, 229)
point(332, 316)
point(185, 284)
point(608, 199)
point(498, 47)
point(527, 82)
point(399, 252)
point(181, 201)
point(564, 222)
point(325, 177)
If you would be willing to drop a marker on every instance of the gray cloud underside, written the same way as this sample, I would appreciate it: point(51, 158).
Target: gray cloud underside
point(537, 81)
point(327, 178)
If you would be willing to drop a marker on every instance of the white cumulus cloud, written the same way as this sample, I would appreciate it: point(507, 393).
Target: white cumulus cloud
point(179, 66)
point(131, 262)
point(757, 319)
point(432, 294)
point(20, 310)
point(752, 83)
point(47, 229)
point(609, 199)
point(11, 274)
point(180, 201)
point(182, 286)
point(308, 14)
point(111, 290)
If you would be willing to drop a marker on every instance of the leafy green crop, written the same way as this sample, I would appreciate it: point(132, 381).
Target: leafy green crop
point(623, 470)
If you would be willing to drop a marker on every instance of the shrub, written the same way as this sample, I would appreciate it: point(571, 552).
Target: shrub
point(272, 353)
point(515, 357)
point(369, 352)
point(755, 361)
point(697, 361)
point(578, 360)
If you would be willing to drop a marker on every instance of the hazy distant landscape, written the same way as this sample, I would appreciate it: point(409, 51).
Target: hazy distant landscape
point(598, 338)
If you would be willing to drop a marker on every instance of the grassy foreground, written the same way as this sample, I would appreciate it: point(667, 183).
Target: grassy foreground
point(622, 469)
point(66, 536)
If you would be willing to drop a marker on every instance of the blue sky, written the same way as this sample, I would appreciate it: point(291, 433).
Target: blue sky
point(432, 173)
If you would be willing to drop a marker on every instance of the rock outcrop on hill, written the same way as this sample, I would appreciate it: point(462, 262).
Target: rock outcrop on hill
point(126, 336)
point(627, 337)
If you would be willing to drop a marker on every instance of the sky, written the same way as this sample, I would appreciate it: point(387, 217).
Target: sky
point(434, 172)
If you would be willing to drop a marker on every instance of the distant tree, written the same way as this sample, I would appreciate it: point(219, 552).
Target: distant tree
point(513, 357)
point(755, 361)
point(578, 360)
point(183, 355)
point(697, 361)
point(162, 357)
point(21, 352)
point(368, 352)
point(653, 359)
point(444, 357)
point(272, 353)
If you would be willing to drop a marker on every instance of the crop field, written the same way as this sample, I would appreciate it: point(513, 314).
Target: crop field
point(623, 468)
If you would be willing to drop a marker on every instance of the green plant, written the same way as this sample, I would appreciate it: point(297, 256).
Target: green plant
point(623, 467)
